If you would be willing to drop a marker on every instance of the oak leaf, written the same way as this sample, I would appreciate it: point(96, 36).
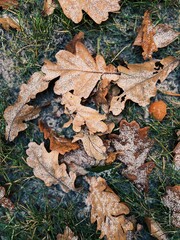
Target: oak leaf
point(16, 114)
point(153, 37)
point(97, 9)
point(5, 202)
point(172, 201)
point(79, 72)
point(84, 115)
point(176, 151)
point(46, 167)
point(5, 4)
point(133, 141)
point(93, 145)
point(138, 82)
point(155, 229)
point(60, 144)
point(8, 22)
point(68, 235)
point(48, 7)
point(107, 210)
point(71, 46)
point(79, 158)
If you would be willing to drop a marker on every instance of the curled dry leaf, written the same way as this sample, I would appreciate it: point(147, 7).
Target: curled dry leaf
point(133, 141)
point(5, 202)
point(138, 82)
point(48, 7)
point(153, 37)
point(8, 22)
point(79, 72)
point(107, 210)
point(84, 115)
point(71, 46)
point(158, 110)
point(172, 201)
point(145, 37)
point(5, 4)
point(155, 229)
point(176, 151)
point(16, 114)
point(68, 235)
point(46, 167)
point(60, 144)
point(98, 10)
point(93, 145)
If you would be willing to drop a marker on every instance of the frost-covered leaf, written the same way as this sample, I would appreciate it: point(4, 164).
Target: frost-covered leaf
point(16, 114)
point(79, 72)
point(68, 235)
point(8, 22)
point(138, 82)
point(172, 201)
point(5, 4)
point(134, 144)
point(153, 37)
point(98, 10)
point(83, 115)
point(5, 202)
point(107, 210)
point(46, 167)
point(60, 144)
point(93, 145)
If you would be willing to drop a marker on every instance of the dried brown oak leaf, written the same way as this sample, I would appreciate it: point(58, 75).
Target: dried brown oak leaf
point(79, 72)
point(83, 115)
point(60, 144)
point(172, 201)
point(153, 37)
point(68, 235)
point(98, 10)
point(107, 210)
point(133, 141)
point(49, 7)
point(8, 22)
point(5, 202)
point(176, 151)
point(155, 229)
point(16, 115)
point(138, 82)
point(46, 167)
point(71, 46)
point(93, 145)
point(5, 4)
